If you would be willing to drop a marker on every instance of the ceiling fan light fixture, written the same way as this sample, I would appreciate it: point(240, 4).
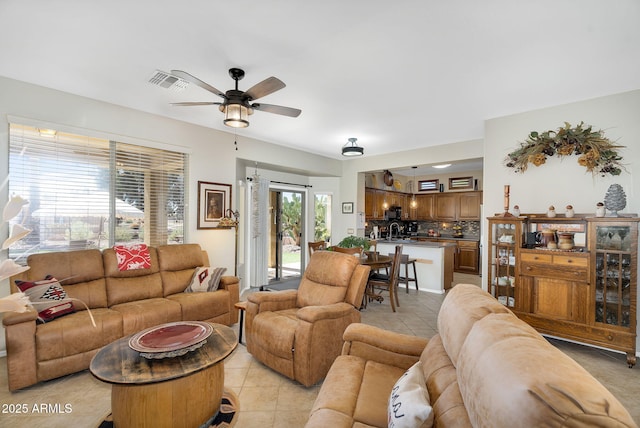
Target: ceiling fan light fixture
point(352, 148)
point(235, 115)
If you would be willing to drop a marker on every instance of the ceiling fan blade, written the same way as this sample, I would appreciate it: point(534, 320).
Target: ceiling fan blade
point(270, 108)
point(189, 78)
point(204, 103)
point(264, 88)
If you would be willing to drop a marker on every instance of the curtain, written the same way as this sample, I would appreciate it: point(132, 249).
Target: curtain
point(259, 231)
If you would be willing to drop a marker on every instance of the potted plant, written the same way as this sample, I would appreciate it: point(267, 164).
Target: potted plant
point(354, 241)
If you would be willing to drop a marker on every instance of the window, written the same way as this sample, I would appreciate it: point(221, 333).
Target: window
point(87, 192)
point(428, 185)
point(322, 216)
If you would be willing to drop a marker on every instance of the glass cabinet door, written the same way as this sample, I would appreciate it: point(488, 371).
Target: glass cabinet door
point(504, 237)
point(613, 274)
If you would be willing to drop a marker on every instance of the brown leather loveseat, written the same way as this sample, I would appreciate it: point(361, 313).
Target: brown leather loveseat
point(121, 302)
point(485, 368)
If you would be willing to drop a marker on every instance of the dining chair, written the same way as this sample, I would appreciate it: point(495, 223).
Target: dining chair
point(317, 246)
point(406, 279)
point(350, 250)
point(389, 282)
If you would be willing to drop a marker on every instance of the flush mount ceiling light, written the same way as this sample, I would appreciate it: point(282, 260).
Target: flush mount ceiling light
point(444, 165)
point(352, 148)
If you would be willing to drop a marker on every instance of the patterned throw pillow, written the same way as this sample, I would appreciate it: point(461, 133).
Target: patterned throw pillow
point(48, 297)
point(409, 404)
point(205, 279)
point(132, 257)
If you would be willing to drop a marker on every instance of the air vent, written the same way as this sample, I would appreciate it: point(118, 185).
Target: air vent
point(168, 81)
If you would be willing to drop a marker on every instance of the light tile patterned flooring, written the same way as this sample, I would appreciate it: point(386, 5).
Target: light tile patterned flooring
point(270, 400)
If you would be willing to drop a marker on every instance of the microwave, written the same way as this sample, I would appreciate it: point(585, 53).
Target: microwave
point(393, 213)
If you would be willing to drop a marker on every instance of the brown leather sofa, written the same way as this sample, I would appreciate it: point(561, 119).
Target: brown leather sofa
point(298, 333)
point(121, 302)
point(485, 368)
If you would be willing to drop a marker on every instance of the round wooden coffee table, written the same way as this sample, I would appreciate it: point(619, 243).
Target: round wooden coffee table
point(183, 391)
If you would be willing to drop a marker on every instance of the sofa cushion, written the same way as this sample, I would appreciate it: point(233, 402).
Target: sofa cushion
point(276, 331)
point(205, 279)
point(202, 306)
point(458, 313)
point(504, 360)
point(140, 314)
point(48, 298)
point(442, 383)
point(375, 389)
point(131, 285)
point(74, 334)
point(326, 279)
point(81, 274)
point(409, 405)
point(177, 265)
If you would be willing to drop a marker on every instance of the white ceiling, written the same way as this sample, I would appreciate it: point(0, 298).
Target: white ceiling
point(396, 75)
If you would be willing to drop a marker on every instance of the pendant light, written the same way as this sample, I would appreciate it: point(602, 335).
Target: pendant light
point(352, 149)
point(414, 202)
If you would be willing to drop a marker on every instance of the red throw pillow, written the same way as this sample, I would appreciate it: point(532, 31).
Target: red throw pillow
point(132, 257)
point(48, 297)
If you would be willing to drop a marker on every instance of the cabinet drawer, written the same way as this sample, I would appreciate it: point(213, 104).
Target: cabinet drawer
point(536, 258)
point(576, 273)
point(570, 261)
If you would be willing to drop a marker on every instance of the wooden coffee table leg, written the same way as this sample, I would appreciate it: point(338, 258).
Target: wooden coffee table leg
point(189, 401)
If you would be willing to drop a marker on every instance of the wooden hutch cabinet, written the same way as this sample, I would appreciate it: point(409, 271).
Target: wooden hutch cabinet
point(586, 293)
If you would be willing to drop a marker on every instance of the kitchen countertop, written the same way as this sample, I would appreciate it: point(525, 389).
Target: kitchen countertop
point(413, 242)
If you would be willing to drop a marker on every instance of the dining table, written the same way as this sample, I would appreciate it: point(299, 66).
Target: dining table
point(376, 261)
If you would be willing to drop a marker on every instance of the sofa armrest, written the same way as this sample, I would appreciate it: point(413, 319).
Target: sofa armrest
point(227, 280)
point(232, 285)
point(273, 300)
point(386, 347)
point(20, 340)
point(12, 318)
point(315, 313)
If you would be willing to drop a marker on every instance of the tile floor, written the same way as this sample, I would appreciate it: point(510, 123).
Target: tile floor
point(270, 400)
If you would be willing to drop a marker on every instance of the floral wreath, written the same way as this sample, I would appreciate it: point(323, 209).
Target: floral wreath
point(597, 153)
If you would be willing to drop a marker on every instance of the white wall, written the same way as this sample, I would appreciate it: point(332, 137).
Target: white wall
point(559, 183)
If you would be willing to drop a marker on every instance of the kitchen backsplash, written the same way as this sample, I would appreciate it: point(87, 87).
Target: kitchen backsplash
point(470, 229)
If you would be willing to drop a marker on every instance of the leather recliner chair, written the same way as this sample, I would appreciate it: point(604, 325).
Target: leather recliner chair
point(298, 333)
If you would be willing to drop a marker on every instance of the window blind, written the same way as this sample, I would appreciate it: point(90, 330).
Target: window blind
point(87, 192)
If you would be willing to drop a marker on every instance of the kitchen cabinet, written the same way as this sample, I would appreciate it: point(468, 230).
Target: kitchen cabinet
point(373, 200)
point(446, 206)
point(469, 205)
point(424, 210)
point(450, 206)
point(468, 256)
point(456, 206)
point(587, 293)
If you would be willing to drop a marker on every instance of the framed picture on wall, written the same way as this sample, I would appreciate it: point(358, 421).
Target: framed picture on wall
point(347, 208)
point(214, 199)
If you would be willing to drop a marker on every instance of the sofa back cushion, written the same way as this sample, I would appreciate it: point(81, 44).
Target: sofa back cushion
point(178, 264)
point(507, 372)
point(130, 285)
point(464, 305)
point(326, 279)
point(80, 273)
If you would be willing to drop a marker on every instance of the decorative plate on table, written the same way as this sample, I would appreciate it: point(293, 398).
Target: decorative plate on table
point(171, 339)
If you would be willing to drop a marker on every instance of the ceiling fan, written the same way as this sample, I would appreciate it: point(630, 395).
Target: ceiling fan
point(237, 105)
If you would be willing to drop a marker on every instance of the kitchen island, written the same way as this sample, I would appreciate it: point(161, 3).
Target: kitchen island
point(434, 261)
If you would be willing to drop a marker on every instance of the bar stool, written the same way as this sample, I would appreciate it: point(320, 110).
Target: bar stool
point(406, 261)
